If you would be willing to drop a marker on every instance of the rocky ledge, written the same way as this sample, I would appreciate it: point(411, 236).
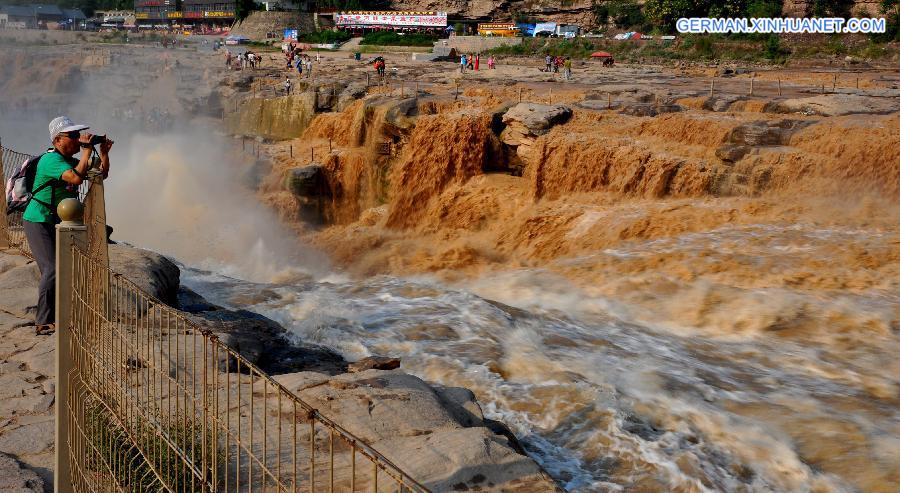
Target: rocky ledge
point(438, 434)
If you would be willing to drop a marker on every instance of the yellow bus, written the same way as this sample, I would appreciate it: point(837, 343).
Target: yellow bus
point(505, 29)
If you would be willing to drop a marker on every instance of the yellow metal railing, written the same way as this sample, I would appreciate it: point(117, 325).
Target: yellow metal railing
point(147, 400)
point(160, 404)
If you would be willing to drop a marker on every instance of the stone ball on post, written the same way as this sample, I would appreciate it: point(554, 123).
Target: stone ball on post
point(70, 211)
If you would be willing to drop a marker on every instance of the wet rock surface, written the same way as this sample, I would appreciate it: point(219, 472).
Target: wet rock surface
point(438, 433)
point(374, 363)
point(307, 181)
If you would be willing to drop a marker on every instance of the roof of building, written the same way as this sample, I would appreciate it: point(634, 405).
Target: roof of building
point(47, 9)
point(75, 14)
point(17, 10)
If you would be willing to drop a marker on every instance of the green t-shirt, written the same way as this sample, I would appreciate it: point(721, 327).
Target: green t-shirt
point(51, 167)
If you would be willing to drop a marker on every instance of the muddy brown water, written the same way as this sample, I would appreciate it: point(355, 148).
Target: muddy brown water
point(689, 343)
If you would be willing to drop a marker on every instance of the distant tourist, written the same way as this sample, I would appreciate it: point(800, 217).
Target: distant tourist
point(548, 61)
point(287, 86)
point(462, 63)
point(57, 177)
point(567, 68)
point(471, 62)
point(309, 67)
point(477, 59)
point(491, 62)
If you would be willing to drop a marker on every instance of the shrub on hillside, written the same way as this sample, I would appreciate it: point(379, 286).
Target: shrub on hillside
point(325, 37)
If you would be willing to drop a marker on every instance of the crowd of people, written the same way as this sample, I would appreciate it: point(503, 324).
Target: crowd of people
point(473, 61)
point(247, 59)
point(295, 59)
point(554, 63)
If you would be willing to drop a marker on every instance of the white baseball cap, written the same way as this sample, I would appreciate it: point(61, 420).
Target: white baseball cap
point(63, 124)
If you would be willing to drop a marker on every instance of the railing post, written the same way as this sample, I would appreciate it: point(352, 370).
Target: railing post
point(70, 232)
point(4, 226)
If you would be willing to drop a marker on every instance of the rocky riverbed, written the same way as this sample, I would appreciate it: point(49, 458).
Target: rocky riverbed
point(438, 433)
point(657, 279)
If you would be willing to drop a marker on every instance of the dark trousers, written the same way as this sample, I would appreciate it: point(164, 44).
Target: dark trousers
point(42, 240)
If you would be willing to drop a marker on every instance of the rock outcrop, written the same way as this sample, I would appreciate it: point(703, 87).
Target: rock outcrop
point(274, 118)
point(15, 479)
point(439, 434)
point(309, 187)
point(258, 24)
point(804, 8)
point(838, 105)
point(525, 122)
point(150, 271)
point(284, 117)
point(307, 181)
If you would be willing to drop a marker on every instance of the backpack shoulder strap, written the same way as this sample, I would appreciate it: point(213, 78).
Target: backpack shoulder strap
point(49, 183)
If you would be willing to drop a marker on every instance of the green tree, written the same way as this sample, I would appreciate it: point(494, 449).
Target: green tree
point(664, 13)
point(601, 13)
point(764, 8)
point(622, 13)
point(773, 49)
point(243, 8)
point(832, 8)
point(890, 9)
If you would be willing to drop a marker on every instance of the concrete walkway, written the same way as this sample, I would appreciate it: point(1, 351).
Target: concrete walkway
point(352, 45)
point(27, 382)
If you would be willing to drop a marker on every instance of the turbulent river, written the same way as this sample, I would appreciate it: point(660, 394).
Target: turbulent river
point(602, 404)
point(607, 393)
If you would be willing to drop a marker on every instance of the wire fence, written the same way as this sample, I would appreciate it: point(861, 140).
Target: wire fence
point(12, 233)
point(150, 401)
point(160, 404)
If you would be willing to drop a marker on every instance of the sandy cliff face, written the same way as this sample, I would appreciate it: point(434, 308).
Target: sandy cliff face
point(803, 8)
point(577, 12)
point(569, 12)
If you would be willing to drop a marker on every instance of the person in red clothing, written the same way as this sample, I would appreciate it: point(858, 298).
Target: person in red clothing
point(477, 59)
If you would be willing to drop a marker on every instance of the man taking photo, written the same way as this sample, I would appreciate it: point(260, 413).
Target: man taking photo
point(57, 177)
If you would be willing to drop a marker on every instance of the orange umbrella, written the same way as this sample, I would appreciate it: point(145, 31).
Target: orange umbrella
point(600, 54)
